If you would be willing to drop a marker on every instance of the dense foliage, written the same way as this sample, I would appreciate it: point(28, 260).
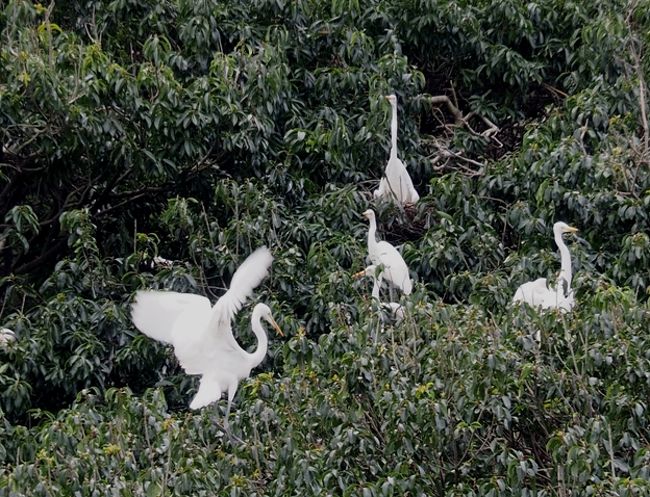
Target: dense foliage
point(197, 131)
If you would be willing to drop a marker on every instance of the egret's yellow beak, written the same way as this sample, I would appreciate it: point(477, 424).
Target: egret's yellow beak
point(387, 97)
point(358, 275)
point(276, 327)
point(570, 229)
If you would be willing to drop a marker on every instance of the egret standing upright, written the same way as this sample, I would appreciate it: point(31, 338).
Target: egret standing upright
point(387, 261)
point(538, 293)
point(396, 183)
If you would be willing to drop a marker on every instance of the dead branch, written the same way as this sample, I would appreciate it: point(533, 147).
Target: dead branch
point(463, 120)
point(444, 152)
point(444, 99)
point(557, 92)
point(492, 130)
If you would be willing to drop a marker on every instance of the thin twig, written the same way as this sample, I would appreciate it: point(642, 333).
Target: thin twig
point(554, 90)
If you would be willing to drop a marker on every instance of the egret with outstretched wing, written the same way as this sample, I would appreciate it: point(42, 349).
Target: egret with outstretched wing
point(201, 334)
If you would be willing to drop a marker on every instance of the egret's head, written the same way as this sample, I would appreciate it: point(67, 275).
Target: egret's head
point(264, 312)
point(561, 227)
point(369, 214)
point(391, 98)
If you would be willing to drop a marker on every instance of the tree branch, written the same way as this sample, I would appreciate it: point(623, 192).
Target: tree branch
point(460, 119)
point(444, 99)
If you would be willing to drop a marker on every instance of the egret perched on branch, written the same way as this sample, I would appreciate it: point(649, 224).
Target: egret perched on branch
point(538, 293)
point(201, 334)
point(385, 255)
point(396, 183)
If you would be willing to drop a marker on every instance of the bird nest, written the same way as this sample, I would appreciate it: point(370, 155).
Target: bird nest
point(399, 224)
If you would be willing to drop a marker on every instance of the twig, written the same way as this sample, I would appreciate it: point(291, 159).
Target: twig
point(637, 66)
point(642, 97)
point(552, 89)
point(610, 450)
point(445, 152)
point(46, 21)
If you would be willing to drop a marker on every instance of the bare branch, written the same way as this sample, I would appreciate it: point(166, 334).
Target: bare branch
point(642, 96)
point(445, 152)
point(461, 119)
point(556, 91)
point(444, 99)
point(466, 159)
point(636, 48)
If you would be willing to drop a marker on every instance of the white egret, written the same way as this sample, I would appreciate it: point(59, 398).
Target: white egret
point(7, 336)
point(201, 334)
point(396, 183)
point(538, 293)
point(385, 255)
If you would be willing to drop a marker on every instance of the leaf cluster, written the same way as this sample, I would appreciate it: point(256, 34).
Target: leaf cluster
point(149, 144)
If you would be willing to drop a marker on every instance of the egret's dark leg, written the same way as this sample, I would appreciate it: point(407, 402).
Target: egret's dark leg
point(232, 388)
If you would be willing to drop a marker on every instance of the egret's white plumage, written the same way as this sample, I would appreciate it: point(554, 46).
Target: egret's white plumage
point(201, 334)
point(7, 336)
point(394, 308)
point(155, 313)
point(396, 183)
point(385, 255)
point(539, 293)
point(372, 272)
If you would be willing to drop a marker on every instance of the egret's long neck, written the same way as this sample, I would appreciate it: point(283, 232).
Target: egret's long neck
point(565, 259)
point(372, 230)
point(393, 130)
point(262, 340)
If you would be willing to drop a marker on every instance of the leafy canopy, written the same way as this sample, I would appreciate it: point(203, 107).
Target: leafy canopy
point(197, 131)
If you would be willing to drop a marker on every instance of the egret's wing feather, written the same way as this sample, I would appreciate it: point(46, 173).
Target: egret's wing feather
point(382, 190)
point(154, 312)
point(413, 194)
point(395, 268)
point(535, 293)
point(399, 182)
point(249, 275)
point(209, 392)
point(196, 345)
point(394, 171)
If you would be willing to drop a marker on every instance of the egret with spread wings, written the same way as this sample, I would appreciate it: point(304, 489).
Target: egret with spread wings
point(201, 334)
